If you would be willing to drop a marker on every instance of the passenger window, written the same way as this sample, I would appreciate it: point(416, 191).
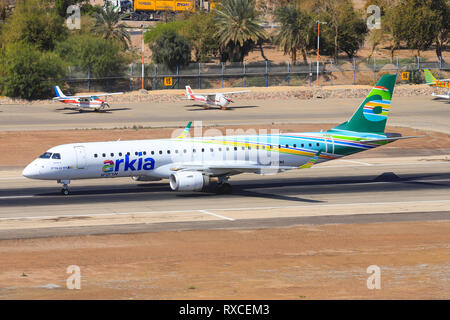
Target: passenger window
point(203, 149)
point(287, 146)
point(235, 148)
point(168, 151)
point(136, 153)
point(295, 146)
point(193, 150)
point(220, 149)
point(128, 153)
point(160, 152)
point(184, 150)
point(56, 156)
point(176, 151)
point(310, 145)
point(145, 153)
point(317, 144)
point(46, 155)
point(112, 154)
point(95, 155)
point(153, 152)
point(120, 154)
point(104, 155)
point(303, 145)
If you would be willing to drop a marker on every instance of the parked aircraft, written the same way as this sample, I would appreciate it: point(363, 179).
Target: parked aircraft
point(216, 98)
point(192, 163)
point(87, 102)
point(432, 81)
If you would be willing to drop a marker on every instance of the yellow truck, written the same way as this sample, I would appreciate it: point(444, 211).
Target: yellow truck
point(140, 10)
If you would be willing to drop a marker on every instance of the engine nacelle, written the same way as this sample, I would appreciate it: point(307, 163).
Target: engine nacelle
point(188, 181)
point(145, 178)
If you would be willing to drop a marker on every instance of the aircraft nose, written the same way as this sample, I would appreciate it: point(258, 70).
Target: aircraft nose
point(31, 171)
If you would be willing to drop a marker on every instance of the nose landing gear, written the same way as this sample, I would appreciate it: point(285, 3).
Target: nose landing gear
point(65, 188)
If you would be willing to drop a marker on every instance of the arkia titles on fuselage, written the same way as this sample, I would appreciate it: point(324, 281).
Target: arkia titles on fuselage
point(191, 163)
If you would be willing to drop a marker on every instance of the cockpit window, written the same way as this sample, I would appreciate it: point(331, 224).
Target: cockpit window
point(46, 155)
point(56, 156)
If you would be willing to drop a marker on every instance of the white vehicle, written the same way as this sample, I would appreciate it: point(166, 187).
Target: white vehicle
point(216, 98)
point(92, 102)
point(191, 163)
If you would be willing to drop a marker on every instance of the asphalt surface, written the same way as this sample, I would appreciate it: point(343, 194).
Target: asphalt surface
point(341, 191)
point(420, 112)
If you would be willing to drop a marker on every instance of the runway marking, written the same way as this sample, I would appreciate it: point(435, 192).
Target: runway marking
point(357, 162)
point(216, 215)
point(16, 197)
point(208, 211)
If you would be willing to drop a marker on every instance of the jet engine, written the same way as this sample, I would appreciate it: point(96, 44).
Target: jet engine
point(188, 181)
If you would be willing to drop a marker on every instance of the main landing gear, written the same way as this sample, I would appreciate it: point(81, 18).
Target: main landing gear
point(223, 187)
point(65, 188)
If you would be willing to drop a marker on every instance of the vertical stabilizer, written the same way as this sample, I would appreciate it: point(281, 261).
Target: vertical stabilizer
point(372, 114)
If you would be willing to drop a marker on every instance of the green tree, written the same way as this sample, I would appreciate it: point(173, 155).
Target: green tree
point(155, 32)
point(171, 49)
point(102, 57)
point(27, 72)
point(239, 28)
point(296, 32)
point(109, 26)
point(34, 22)
point(200, 28)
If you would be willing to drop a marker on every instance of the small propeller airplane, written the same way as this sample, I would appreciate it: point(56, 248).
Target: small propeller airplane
point(214, 99)
point(432, 81)
point(91, 102)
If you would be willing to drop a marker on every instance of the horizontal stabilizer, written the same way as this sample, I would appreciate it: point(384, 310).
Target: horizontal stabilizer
point(389, 139)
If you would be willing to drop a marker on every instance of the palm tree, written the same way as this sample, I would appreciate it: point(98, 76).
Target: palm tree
point(295, 33)
point(238, 27)
point(108, 25)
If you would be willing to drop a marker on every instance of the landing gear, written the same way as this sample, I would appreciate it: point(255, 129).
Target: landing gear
point(65, 188)
point(223, 187)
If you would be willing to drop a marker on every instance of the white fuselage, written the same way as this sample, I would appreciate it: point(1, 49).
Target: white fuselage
point(161, 158)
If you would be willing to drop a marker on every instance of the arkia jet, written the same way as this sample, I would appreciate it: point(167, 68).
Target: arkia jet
point(200, 163)
point(215, 99)
point(432, 81)
point(87, 102)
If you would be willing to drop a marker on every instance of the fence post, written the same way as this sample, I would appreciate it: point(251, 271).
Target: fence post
point(89, 79)
point(178, 78)
point(243, 72)
point(331, 71)
point(223, 69)
point(310, 73)
point(199, 76)
point(131, 77)
point(440, 67)
point(267, 74)
point(374, 69)
point(155, 71)
point(418, 63)
point(398, 66)
point(354, 70)
point(289, 72)
point(70, 78)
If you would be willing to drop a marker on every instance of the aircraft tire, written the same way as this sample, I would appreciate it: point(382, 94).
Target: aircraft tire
point(225, 188)
point(65, 191)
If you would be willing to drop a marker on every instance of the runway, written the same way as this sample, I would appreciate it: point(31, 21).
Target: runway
point(342, 191)
point(420, 112)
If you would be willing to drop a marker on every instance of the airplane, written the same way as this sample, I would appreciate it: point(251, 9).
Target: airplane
point(215, 98)
point(92, 102)
point(199, 163)
point(432, 81)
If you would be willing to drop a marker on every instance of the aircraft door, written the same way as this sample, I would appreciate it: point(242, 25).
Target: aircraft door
point(80, 157)
point(329, 144)
point(84, 102)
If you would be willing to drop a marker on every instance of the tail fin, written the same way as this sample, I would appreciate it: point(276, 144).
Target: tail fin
point(58, 92)
point(189, 91)
point(429, 78)
point(372, 114)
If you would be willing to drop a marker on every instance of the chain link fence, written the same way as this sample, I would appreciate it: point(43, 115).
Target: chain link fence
point(255, 74)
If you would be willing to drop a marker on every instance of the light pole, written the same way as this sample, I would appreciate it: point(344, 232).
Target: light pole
point(142, 75)
point(318, 46)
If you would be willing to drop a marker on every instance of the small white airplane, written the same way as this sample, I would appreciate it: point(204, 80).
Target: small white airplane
point(214, 99)
point(92, 102)
point(191, 163)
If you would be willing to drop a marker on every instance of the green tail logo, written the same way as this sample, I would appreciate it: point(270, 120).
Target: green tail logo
point(372, 114)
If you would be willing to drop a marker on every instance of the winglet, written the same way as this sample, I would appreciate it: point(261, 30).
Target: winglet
point(185, 131)
point(311, 161)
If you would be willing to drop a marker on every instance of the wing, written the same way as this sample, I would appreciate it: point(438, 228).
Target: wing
point(214, 93)
point(94, 95)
